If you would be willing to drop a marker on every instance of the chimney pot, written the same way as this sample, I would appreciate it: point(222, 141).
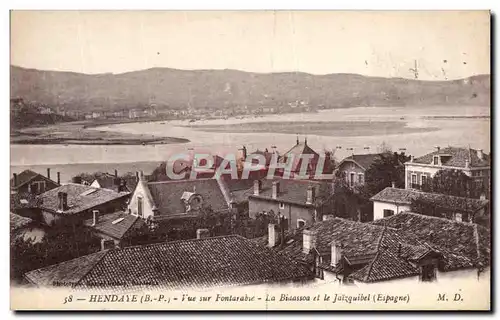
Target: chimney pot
point(95, 216)
point(336, 253)
point(202, 233)
point(438, 148)
point(63, 201)
point(256, 187)
point(276, 189)
point(480, 154)
point(116, 173)
point(15, 179)
point(310, 195)
point(271, 235)
point(58, 177)
point(394, 184)
point(308, 240)
point(467, 164)
point(48, 173)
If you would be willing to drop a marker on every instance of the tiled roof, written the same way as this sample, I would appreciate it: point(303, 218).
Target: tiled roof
point(18, 222)
point(22, 201)
point(405, 196)
point(294, 191)
point(461, 243)
point(387, 247)
point(210, 262)
point(296, 151)
point(167, 194)
point(364, 160)
point(77, 200)
point(456, 157)
point(118, 229)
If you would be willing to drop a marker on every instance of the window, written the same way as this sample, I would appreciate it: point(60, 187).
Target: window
point(282, 205)
point(424, 180)
point(436, 160)
point(351, 180)
point(413, 179)
point(428, 273)
point(388, 213)
point(360, 178)
point(37, 187)
point(139, 207)
point(301, 223)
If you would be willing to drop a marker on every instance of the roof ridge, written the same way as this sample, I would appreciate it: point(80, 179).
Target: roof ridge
point(177, 241)
point(469, 224)
point(379, 241)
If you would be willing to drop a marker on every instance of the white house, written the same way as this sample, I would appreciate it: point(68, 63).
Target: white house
point(474, 163)
point(392, 201)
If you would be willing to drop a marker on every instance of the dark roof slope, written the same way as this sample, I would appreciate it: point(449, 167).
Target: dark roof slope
point(167, 194)
point(22, 200)
point(198, 263)
point(17, 222)
point(111, 182)
point(293, 191)
point(461, 243)
point(456, 157)
point(364, 160)
point(25, 177)
point(118, 229)
point(80, 197)
point(376, 245)
point(405, 196)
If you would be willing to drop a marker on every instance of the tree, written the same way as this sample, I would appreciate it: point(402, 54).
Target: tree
point(385, 170)
point(452, 182)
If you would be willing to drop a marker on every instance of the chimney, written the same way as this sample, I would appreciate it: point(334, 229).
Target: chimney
point(116, 173)
point(412, 158)
point(336, 253)
point(95, 216)
point(244, 153)
point(256, 187)
point(276, 189)
point(58, 177)
point(480, 154)
point(394, 184)
point(271, 235)
point(297, 139)
point(310, 195)
point(438, 148)
point(63, 200)
point(15, 179)
point(308, 240)
point(48, 173)
point(137, 175)
point(202, 234)
point(467, 164)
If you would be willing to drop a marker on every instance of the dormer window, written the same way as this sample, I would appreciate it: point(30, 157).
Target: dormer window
point(436, 160)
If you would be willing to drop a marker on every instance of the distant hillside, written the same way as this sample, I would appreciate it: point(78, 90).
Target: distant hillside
point(229, 88)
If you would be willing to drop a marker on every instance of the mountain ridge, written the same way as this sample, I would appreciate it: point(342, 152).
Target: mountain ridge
point(228, 88)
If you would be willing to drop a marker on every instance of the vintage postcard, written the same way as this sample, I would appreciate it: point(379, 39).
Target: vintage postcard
point(250, 160)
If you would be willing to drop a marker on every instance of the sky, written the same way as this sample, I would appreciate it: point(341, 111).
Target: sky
point(444, 45)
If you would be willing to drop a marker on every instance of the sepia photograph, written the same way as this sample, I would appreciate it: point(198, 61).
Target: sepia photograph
point(250, 160)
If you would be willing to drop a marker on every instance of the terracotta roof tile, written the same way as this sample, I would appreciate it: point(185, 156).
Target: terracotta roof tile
point(77, 200)
point(211, 262)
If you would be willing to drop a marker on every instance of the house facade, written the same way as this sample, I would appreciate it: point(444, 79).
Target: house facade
point(474, 163)
point(32, 182)
point(301, 202)
point(353, 168)
point(392, 201)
